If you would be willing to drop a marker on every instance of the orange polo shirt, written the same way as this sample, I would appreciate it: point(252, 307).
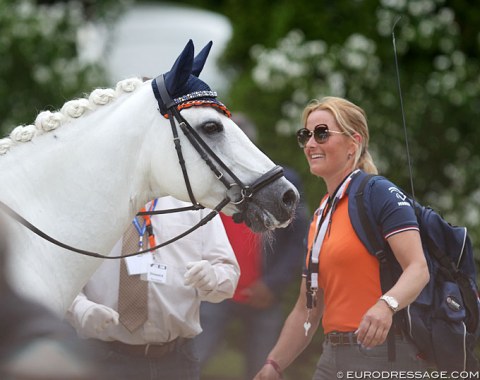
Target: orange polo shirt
point(348, 274)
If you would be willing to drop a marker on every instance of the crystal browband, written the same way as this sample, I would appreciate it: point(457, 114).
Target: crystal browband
point(203, 103)
point(195, 95)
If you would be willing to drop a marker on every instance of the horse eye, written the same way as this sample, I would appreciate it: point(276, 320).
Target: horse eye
point(212, 127)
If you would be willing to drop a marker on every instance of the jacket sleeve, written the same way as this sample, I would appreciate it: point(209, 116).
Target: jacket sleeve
point(391, 208)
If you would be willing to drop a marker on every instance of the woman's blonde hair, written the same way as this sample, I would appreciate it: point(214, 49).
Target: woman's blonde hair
point(351, 119)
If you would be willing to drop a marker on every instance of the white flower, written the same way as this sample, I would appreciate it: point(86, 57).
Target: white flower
point(23, 133)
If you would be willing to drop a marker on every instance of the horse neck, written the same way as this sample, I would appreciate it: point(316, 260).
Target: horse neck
point(83, 185)
point(98, 172)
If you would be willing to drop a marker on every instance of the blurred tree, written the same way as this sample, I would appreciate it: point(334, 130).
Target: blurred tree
point(42, 63)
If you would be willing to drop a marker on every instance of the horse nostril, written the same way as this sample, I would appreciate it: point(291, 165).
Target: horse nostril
point(290, 199)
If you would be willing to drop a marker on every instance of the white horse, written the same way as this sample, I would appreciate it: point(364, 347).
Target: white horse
point(81, 174)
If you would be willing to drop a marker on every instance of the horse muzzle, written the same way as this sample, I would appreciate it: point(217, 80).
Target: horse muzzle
point(272, 206)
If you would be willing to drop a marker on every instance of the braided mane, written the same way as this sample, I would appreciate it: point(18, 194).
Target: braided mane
point(47, 121)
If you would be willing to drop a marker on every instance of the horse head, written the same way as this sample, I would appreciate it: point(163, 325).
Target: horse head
point(255, 190)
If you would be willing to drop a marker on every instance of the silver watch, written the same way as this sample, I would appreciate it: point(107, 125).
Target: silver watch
point(391, 302)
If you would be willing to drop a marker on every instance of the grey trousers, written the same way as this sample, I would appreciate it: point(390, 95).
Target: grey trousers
point(348, 361)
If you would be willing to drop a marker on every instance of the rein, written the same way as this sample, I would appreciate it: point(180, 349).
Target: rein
point(206, 153)
point(14, 215)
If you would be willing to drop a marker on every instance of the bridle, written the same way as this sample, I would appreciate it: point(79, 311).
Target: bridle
point(206, 153)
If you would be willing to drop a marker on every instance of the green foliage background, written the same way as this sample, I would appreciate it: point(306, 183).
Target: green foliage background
point(40, 64)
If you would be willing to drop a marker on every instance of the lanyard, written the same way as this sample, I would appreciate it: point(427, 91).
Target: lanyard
point(146, 227)
point(322, 219)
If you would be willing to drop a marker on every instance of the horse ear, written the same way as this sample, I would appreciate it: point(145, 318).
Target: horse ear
point(200, 59)
point(181, 69)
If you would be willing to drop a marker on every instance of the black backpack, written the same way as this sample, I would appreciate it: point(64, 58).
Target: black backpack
point(443, 321)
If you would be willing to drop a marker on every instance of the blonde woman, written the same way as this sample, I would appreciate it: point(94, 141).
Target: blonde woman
point(341, 280)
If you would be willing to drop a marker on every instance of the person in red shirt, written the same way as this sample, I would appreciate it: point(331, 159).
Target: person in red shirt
point(341, 281)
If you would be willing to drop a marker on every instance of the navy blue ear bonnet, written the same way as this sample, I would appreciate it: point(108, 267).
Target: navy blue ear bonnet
point(183, 87)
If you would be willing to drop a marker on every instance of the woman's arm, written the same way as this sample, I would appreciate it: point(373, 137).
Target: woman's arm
point(407, 248)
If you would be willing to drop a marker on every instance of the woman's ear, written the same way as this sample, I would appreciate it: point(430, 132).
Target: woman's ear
point(358, 142)
point(358, 137)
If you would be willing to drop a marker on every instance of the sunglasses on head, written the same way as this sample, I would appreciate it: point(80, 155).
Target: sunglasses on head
point(320, 133)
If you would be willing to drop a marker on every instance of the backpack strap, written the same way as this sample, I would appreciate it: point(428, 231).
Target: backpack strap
point(378, 248)
point(361, 215)
point(371, 240)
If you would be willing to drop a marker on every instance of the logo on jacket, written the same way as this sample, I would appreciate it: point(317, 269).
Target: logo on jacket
point(400, 196)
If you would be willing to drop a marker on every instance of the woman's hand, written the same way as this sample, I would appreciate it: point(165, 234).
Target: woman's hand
point(375, 324)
